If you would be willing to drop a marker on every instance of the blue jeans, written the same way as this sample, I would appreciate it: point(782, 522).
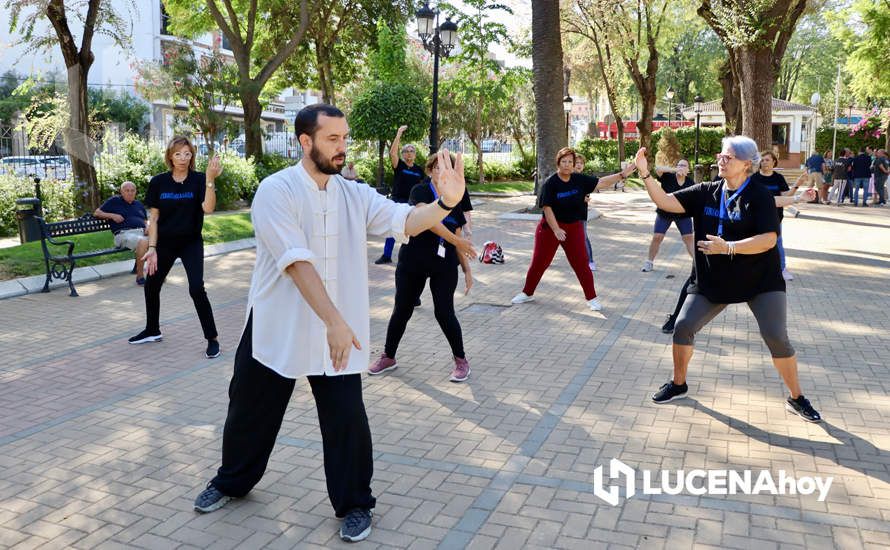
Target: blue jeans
point(857, 183)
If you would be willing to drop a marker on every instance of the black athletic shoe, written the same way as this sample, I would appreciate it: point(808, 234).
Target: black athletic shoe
point(383, 260)
point(210, 499)
point(669, 392)
point(212, 349)
point(146, 336)
point(802, 408)
point(356, 525)
point(668, 326)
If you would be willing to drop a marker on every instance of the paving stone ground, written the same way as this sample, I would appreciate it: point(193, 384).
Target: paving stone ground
point(105, 445)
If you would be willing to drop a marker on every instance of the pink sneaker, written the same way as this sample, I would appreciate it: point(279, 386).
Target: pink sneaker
point(461, 370)
point(382, 365)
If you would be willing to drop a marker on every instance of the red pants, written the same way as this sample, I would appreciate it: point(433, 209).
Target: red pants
point(575, 249)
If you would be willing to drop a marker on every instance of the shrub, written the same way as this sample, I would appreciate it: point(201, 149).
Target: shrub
point(238, 177)
point(860, 139)
point(524, 167)
point(267, 165)
point(58, 200)
point(133, 159)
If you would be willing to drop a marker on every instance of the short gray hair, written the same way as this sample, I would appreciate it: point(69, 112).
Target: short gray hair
point(128, 183)
point(744, 148)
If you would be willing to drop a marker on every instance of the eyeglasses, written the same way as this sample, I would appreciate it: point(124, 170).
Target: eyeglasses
point(724, 157)
point(182, 156)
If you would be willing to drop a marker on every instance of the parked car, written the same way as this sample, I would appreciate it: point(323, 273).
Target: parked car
point(491, 146)
point(23, 166)
point(58, 167)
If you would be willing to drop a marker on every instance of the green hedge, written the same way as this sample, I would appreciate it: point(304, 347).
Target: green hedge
point(58, 200)
point(825, 135)
point(602, 154)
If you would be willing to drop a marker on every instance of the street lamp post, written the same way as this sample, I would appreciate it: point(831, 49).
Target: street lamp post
point(567, 107)
point(698, 107)
point(669, 94)
point(438, 40)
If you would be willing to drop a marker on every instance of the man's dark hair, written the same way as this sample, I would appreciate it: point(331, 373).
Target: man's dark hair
point(306, 121)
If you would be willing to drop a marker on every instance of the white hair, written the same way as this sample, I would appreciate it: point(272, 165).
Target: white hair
point(744, 148)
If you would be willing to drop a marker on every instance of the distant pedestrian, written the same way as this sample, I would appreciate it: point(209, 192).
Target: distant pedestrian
point(861, 172)
point(405, 176)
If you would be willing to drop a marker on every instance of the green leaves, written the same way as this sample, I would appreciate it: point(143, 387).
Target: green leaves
point(379, 111)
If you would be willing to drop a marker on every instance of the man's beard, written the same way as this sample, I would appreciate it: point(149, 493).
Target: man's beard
point(325, 166)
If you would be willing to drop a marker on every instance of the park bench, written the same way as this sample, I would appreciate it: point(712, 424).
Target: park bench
point(61, 266)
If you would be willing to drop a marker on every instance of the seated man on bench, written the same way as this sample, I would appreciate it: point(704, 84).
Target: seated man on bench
point(128, 223)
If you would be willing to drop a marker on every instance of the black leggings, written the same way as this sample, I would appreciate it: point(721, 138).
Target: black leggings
point(684, 292)
point(409, 285)
point(769, 308)
point(192, 254)
point(258, 398)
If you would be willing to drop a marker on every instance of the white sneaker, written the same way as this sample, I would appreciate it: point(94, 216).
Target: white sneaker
point(522, 298)
point(787, 275)
point(648, 266)
point(595, 304)
point(592, 265)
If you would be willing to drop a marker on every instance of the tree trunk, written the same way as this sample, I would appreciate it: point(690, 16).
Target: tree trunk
point(620, 124)
point(731, 103)
point(325, 74)
point(644, 125)
point(253, 135)
point(78, 143)
point(756, 86)
point(547, 62)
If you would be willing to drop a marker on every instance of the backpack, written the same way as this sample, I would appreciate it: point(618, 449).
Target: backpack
point(491, 253)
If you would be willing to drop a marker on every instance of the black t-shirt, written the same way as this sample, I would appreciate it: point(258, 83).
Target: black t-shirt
point(670, 184)
point(406, 177)
point(776, 185)
point(720, 279)
point(181, 215)
point(841, 168)
point(423, 249)
point(566, 198)
point(861, 166)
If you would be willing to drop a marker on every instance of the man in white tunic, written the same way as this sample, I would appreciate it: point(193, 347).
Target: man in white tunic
point(307, 315)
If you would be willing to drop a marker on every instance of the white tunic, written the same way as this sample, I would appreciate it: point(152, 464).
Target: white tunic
point(295, 221)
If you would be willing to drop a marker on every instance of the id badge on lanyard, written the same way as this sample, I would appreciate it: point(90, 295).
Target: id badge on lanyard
point(441, 250)
point(724, 203)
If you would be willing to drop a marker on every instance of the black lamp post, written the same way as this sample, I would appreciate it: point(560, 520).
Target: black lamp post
point(669, 94)
point(698, 100)
point(438, 40)
point(567, 107)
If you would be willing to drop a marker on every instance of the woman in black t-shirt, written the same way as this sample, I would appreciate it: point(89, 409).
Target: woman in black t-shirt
point(433, 254)
point(562, 224)
point(177, 201)
point(736, 228)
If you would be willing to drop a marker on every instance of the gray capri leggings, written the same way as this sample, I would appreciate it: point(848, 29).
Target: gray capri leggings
point(768, 308)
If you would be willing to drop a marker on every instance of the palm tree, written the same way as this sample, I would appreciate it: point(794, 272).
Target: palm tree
point(547, 66)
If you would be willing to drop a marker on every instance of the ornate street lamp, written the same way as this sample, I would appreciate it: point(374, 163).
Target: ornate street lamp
point(698, 100)
point(439, 41)
point(567, 108)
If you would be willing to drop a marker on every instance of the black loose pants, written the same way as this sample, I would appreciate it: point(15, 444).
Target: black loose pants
point(258, 398)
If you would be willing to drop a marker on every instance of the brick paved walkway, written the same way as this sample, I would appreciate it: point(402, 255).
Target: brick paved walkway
point(103, 445)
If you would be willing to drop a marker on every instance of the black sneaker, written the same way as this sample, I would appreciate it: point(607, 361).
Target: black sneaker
point(383, 260)
point(802, 408)
point(669, 392)
point(356, 525)
point(210, 500)
point(146, 336)
point(212, 349)
point(668, 326)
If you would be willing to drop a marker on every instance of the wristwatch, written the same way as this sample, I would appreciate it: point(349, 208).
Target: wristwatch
point(444, 206)
point(210, 185)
